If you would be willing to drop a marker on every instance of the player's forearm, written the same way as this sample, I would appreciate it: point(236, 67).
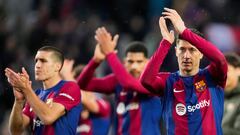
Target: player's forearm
point(87, 74)
point(16, 123)
point(126, 80)
point(41, 109)
point(218, 66)
point(120, 72)
point(91, 105)
point(148, 78)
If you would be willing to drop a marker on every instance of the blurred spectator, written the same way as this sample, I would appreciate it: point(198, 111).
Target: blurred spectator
point(231, 118)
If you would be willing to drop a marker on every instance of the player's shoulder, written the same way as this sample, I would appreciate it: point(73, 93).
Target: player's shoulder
point(70, 85)
point(70, 88)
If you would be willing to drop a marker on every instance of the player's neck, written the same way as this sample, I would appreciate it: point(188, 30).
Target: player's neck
point(186, 73)
point(49, 83)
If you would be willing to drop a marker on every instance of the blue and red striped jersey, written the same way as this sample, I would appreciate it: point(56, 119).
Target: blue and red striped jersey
point(138, 111)
point(96, 123)
point(65, 93)
point(137, 114)
point(193, 105)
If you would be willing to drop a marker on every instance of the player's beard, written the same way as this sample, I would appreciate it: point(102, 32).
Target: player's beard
point(135, 74)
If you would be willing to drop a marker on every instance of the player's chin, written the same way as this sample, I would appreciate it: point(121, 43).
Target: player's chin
point(187, 68)
point(136, 75)
point(38, 78)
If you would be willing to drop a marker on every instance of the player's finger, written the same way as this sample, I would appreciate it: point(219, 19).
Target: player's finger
point(11, 74)
point(25, 73)
point(115, 39)
point(170, 10)
point(162, 24)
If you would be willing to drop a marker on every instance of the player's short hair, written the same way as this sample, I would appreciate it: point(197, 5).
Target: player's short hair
point(57, 54)
point(178, 37)
point(137, 47)
point(233, 59)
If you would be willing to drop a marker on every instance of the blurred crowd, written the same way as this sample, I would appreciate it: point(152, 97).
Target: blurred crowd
point(70, 25)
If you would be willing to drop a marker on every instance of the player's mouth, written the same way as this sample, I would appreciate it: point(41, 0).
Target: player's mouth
point(187, 63)
point(37, 72)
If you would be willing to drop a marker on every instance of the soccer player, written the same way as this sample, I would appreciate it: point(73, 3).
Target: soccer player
point(53, 109)
point(231, 117)
point(192, 97)
point(137, 109)
point(95, 115)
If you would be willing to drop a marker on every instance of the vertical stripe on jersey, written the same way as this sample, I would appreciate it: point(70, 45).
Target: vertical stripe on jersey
point(100, 126)
point(135, 118)
point(119, 124)
point(217, 98)
point(151, 110)
point(193, 114)
point(181, 121)
point(208, 125)
point(168, 106)
point(126, 124)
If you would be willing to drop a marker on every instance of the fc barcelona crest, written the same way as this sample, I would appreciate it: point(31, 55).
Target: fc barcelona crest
point(200, 86)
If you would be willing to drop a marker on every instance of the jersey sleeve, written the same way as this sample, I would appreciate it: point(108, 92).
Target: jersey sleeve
point(88, 82)
point(104, 108)
point(126, 80)
point(150, 78)
point(69, 95)
point(27, 111)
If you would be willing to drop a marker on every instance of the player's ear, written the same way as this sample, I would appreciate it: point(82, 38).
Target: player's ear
point(201, 55)
point(58, 67)
point(238, 71)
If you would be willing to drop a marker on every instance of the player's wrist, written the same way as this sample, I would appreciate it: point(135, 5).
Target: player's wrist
point(182, 28)
point(108, 52)
point(19, 101)
point(97, 60)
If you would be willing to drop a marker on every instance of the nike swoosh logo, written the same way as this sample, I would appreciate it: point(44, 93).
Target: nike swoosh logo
point(123, 93)
point(177, 91)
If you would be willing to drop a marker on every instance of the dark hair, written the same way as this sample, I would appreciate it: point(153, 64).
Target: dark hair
point(136, 47)
point(178, 37)
point(56, 52)
point(233, 59)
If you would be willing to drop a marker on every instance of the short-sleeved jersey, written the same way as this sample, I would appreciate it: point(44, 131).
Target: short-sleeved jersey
point(193, 105)
point(96, 124)
point(137, 114)
point(65, 93)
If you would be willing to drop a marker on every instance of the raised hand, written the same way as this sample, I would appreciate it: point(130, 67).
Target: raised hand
point(104, 38)
point(169, 36)
point(175, 18)
point(19, 81)
point(98, 55)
